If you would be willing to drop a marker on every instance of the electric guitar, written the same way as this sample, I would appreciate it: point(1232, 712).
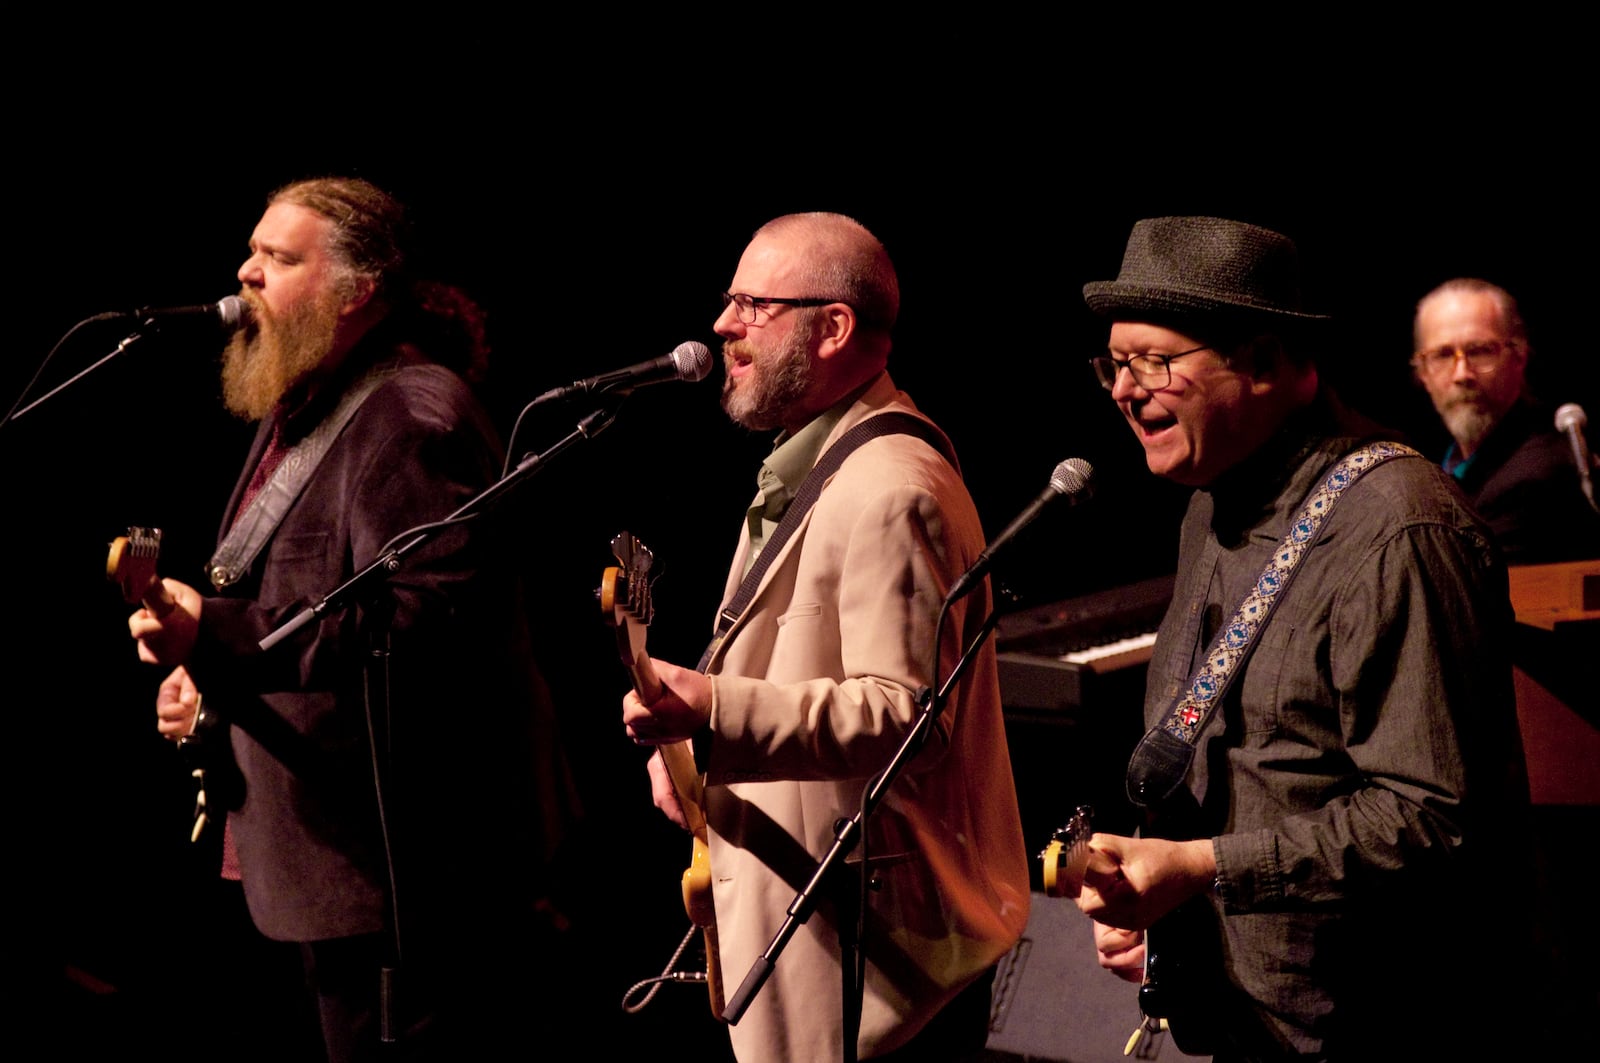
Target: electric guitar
point(625, 603)
point(1178, 982)
point(131, 564)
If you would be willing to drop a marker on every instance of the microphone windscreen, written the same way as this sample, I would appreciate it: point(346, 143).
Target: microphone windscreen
point(1571, 416)
point(1073, 477)
point(693, 360)
point(234, 311)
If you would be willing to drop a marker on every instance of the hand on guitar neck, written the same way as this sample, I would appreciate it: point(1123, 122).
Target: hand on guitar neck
point(667, 705)
point(1142, 894)
point(1131, 882)
point(1066, 861)
point(169, 622)
point(165, 627)
point(669, 710)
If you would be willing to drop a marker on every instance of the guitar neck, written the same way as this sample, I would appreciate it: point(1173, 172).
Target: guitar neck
point(677, 756)
point(643, 674)
point(679, 759)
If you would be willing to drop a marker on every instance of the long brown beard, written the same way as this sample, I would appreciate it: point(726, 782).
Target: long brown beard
point(270, 355)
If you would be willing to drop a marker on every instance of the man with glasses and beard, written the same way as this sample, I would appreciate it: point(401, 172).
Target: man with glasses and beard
point(1471, 357)
point(813, 686)
point(383, 866)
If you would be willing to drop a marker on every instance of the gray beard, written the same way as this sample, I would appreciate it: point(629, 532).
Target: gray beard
point(776, 386)
point(1469, 423)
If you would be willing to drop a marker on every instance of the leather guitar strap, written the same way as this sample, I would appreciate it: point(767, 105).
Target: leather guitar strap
point(256, 523)
point(1160, 763)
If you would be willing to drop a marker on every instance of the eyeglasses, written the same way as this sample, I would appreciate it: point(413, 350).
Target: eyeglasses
point(1483, 357)
point(1150, 371)
point(747, 305)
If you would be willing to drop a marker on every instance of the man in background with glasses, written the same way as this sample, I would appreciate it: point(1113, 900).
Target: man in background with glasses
point(812, 689)
point(1330, 765)
point(1517, 470)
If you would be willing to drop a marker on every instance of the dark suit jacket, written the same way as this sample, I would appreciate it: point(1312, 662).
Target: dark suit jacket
point(468, 718)
point(1524, 485)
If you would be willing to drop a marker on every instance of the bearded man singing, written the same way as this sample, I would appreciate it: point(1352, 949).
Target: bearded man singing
point(355, 832)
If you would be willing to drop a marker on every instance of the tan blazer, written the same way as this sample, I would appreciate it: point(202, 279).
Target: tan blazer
point(813, 692)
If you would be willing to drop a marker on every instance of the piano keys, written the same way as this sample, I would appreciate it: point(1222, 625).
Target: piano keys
point(1072, 686)
point(1072, 654)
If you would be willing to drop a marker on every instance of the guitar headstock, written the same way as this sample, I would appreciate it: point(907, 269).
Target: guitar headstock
point(131, 565)
point(625, 589)
point(625, 603)
point(1068, 854)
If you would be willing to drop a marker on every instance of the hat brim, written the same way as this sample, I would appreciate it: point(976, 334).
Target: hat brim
point(1119, 299)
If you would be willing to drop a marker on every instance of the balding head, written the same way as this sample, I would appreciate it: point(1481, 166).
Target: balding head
point(837, 258)
point(813, 299)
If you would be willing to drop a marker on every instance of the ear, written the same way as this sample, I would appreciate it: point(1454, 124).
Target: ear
point(362, 290)
point(1265, 359)
point(837, 328)
point(1273, 372)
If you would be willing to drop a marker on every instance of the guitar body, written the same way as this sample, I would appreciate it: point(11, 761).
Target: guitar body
point(1183, 975)
point(624, 597)
point(1185, 979)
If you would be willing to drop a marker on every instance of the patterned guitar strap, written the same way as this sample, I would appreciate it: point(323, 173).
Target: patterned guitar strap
point(1160, 763)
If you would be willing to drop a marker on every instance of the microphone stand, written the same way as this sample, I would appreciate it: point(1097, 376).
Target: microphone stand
point(128, 341)
point(847, 834)
point(388, 562)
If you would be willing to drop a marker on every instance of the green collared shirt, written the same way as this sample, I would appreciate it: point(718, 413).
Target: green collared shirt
point(786, 468)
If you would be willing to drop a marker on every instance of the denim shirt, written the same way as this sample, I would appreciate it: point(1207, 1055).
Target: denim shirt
point(1360, 761)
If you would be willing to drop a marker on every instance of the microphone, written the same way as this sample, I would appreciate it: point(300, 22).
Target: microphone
point(1073, 479)
point(1571, 420)
point(688, 361)
point(229, 312)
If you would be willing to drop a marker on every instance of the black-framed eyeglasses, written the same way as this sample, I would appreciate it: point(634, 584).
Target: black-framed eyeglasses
point(1150, 371)
point(1483, 356)
point(746, 306)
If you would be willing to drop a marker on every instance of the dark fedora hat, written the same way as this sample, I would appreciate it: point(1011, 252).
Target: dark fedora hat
point(1181, 267)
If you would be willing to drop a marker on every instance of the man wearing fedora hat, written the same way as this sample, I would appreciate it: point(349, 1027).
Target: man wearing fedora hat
point(1332, 734)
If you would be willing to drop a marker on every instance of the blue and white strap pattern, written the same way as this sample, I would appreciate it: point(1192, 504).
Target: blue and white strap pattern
point(1233, 643)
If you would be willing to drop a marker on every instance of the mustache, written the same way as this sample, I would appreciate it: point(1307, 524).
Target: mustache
point(258, 314)
point(1464, 395)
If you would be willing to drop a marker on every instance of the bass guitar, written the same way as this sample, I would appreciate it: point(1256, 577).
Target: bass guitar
point(1178, 981)
point(131, 564)
point(626, 605)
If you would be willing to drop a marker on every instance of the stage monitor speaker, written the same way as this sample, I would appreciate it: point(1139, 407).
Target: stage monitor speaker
point(1054, 1004)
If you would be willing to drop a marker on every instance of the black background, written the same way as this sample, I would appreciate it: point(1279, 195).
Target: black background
point(595, 200)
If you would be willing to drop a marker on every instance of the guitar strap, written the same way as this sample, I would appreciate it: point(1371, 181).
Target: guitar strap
point(1161, 761)
point(252, 528)
point(810, 490)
